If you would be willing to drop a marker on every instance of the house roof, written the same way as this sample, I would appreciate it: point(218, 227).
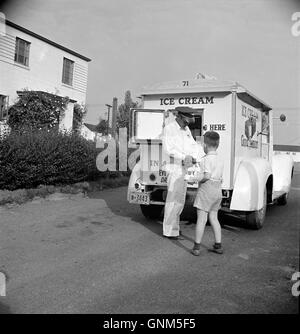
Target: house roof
point(44, 39)
point(205, 86)
point(91, 127)
point(287, 148)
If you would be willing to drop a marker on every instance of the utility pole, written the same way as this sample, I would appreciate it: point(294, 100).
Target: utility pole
point(114, 116)
point(108, 112)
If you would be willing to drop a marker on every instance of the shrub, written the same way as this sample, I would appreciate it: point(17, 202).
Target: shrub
point(37, 110)
point(28, 159)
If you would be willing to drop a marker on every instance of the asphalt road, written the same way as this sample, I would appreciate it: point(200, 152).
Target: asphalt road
point(100, 255)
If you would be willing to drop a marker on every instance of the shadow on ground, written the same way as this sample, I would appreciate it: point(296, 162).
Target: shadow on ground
point(118, 204)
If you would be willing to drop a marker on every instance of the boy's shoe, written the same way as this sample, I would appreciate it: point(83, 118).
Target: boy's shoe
point(217, 248)
point(195, 252)
point(196, 249)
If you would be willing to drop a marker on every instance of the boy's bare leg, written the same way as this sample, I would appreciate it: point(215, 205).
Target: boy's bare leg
point(201, 222)
point(213, 218)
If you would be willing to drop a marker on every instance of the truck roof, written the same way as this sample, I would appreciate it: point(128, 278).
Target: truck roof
point(205, 86)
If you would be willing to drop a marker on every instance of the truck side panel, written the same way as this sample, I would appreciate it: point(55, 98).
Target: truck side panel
point(252, 166)
point(248, 127)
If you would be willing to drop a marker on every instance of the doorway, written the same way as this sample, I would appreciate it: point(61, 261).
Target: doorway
point(196, 128)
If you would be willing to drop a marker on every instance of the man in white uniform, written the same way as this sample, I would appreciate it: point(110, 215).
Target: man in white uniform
point(182, 149)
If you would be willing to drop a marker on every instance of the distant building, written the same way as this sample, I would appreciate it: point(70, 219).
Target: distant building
point(30, 61)
point(90, 132)
point(292, 150)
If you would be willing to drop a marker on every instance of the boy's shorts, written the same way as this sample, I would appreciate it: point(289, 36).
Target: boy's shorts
point(209, 196)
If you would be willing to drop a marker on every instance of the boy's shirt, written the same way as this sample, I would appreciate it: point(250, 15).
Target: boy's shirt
point(209, 163)
point(212, 164)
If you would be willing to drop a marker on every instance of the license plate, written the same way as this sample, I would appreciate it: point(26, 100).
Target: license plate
point(140, 198)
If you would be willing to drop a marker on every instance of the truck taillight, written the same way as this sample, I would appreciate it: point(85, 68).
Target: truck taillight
point(152, 177)
point(226, 193)
point(139, 186)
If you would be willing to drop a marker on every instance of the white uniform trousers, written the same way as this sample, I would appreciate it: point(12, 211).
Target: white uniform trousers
point(175, 201)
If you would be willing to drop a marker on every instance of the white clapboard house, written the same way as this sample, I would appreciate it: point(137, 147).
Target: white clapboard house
point(33, 62)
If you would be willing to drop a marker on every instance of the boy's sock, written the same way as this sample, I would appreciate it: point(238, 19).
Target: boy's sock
point(196, 245)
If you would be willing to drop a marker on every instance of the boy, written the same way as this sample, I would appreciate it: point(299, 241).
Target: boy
point(209, 195)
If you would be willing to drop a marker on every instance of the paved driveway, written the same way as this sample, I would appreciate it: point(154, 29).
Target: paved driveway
point(100, 255)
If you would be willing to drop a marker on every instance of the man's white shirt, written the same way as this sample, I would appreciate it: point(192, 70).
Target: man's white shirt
point(179, 142)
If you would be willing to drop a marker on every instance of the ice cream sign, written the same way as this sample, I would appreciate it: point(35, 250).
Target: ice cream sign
point(251, 117)
point(187, 100)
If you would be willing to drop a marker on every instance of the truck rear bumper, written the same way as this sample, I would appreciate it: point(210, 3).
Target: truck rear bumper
point(158, 197)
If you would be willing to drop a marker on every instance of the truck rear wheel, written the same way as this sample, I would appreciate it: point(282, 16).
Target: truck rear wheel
point(256, 219)
point(152, 211)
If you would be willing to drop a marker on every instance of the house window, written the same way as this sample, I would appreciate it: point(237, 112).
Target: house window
point(67, 76)
point(22, 52)
point(3, 107)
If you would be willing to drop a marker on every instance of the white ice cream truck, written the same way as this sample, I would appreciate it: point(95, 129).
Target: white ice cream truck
point(253, 177)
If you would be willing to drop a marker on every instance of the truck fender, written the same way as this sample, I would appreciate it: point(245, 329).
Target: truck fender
point(249, 184)
point(282, 172)
point(135, 175)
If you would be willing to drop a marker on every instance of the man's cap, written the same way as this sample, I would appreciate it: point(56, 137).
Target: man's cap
point(185, 111)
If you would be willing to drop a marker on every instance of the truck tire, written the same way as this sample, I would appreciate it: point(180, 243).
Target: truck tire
point(152, 211)
point(282, 200)
point(255, 219)
point(221, 217)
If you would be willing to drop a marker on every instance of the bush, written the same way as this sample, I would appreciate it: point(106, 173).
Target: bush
point(37, 110)
point(28, 159)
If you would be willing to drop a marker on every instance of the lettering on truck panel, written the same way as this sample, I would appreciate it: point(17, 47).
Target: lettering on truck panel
point(217, 127)
point(250, 128)
point(170, 101)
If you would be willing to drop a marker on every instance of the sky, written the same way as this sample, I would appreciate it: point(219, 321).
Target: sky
point(135, 43)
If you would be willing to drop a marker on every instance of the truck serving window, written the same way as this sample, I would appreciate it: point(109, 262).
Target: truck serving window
point(196, 128)
point(147, 124)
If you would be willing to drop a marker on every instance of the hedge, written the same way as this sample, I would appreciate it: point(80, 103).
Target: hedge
point(29, 159)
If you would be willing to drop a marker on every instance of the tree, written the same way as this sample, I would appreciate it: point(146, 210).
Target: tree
point(79, 112)
point(124, 111)
point(36, 110)
point(102, 126)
